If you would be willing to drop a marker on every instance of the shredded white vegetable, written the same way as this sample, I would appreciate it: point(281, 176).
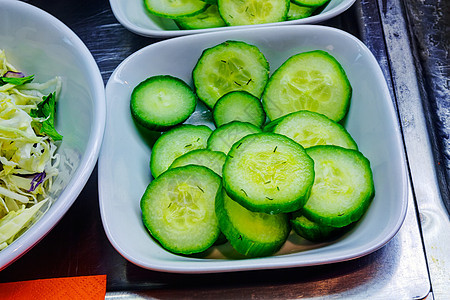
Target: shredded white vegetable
point(28, 161)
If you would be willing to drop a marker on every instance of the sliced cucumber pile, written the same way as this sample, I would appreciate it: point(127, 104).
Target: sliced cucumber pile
point(242, 185)
point(202, 14)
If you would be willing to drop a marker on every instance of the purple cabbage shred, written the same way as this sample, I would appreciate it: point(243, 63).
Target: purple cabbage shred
point(36, 181)
point(12, 74)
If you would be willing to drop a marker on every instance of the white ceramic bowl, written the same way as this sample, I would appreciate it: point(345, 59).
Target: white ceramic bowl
point(133, 15)
point(372, 121)
point(37, 43)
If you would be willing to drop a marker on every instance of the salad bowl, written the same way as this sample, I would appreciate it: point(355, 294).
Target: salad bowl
point(36, 43)
point(133, 16)
point(371, 120)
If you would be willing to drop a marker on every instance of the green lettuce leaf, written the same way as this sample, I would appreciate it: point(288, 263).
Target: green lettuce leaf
point(16, 81)
point(46, 110)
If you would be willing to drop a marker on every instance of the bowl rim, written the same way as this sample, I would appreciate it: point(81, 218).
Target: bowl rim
point(121, 17)
point(254, 264)
point(68, 196)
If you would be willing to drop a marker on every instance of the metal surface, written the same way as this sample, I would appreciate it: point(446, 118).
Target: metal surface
point(429, 27)
point(418, 124)
point(78, 246)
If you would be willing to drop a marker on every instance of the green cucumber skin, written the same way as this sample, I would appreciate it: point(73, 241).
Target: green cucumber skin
point(229, 19)
point(293, 205)
point(270, 127)
point(288, 206)
point(152, 191)
point(215, 141)
point(155, 162)
point(354, 216)
point(311, 3)
point(242, 243)
point(304, 116)
point(172, 16)
point(154, 126)
point(253, 104)
point(299, 11)
point(214, 160)
point(196, 22)
point(222, 239)
point(315, 232)
point(342, 110)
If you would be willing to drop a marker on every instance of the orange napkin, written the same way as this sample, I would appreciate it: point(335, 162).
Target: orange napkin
point(81, 287)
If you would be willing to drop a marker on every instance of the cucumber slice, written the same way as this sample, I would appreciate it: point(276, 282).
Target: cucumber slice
point(178, 209)
point(161, 102)
point(312, 3)
point(176, 142)
point(267, 172)
point(312, 81)
point(210, 18)
point(223, 138)
point(249, 12)
point(230, 66)
point(311, 129)
point(213, 160)
point(314, 232)
point(299, 11)
point(251, 233)
point(175, 8)
point(211, 1)
point(239, 106)
point(343, 187)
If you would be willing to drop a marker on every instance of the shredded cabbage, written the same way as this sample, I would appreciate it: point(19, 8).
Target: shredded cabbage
point(28, 158)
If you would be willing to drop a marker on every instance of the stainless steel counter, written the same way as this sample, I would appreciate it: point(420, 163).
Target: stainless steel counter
point(410, 39)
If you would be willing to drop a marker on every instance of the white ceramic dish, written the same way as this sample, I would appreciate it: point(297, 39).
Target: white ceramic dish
point(124, 159)
point(37, 43)
point(132, 15)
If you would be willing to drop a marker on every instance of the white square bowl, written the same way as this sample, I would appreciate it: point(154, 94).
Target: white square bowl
point(37, 43)
point(133, 16)
point(372, 121)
